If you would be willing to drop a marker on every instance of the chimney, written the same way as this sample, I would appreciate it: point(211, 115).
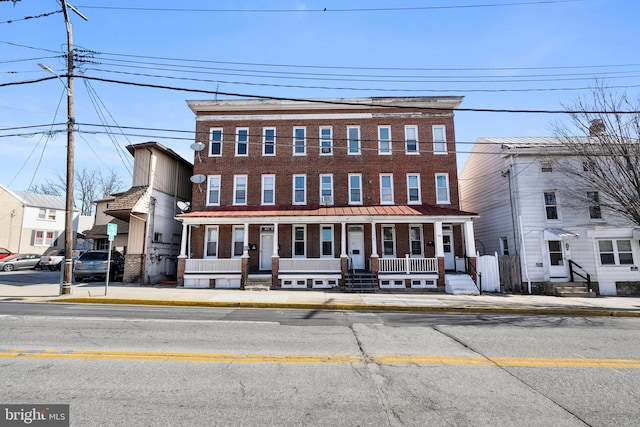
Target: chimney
point(596, 128)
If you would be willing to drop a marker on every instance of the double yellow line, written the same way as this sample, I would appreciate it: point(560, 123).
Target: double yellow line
point(383, 359)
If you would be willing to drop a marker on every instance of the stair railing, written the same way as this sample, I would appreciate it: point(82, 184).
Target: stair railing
point(470, 269)
point(586, 276)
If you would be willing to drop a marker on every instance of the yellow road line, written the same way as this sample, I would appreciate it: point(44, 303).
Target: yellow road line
point(384, 359)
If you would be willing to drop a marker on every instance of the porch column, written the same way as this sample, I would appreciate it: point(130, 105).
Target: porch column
point(245, 241)
point(437, 230)
point(344, 258)
point(244, 269)
point(375, 264)
point(275, 258)
point(469, 239)
point(183, 242)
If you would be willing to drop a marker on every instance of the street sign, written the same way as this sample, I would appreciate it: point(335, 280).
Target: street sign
point(112, 229)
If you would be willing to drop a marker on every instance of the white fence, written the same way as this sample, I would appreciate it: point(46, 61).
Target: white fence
point(487, 265)
point(194, 265)
point(310, 265)
point(408, 265)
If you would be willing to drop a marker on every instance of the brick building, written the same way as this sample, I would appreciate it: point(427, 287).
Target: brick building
point(307, 194)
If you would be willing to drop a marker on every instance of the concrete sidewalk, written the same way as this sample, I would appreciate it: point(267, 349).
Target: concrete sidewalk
point(119, 293)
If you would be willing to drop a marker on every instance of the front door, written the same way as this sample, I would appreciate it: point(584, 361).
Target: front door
point(266, 248)
point(356, 247)
point(558, 266)
point(447, 244)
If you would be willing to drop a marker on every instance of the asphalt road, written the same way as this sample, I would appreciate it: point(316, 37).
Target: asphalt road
point(128, 365)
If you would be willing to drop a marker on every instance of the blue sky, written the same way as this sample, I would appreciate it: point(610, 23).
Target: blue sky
point(498, 54)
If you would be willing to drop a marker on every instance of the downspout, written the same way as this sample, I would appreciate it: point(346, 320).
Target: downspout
point(150, 233)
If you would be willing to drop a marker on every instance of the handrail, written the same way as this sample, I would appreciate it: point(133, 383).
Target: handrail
point(586, 276)
point(469, 266)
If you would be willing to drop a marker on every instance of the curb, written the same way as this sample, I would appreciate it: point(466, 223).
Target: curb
point(530, 311)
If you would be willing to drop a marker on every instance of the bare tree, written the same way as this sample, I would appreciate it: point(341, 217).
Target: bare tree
point(48, 188)
point(605, 156)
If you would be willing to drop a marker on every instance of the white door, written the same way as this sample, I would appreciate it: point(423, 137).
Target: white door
point(558, 266)
point(266, 250)
point(356, 247)
point(449, 258)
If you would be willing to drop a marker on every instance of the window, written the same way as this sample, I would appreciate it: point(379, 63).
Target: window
point(213, 190)
point(215, 145)
point(326, 241)
point(388, 241)
point(593, 198)
point(442, 188)
point(384, 140)
point(240, 190)
point(546, 167)
point(326, 141)
point(211, 243)
point(269, 142)
point(415, 240)
point(439, 139)
point(44, 238)
point(555, 252)
point(326, 189)
point(386, 189)
point(268, 189)
point(242, 142)
point(300, 141)
point(299, 189)
point(157, 237)
point(299, 245)
point(550, 205)
point(238, 240)
point(615, 252)
point(411, 139)
point(413, 189)
point(355, 189)
point(47, 214)
point(504, 246)
point(353, 135)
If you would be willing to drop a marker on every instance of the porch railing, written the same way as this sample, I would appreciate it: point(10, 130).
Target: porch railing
point(233, 265)
point(310, 265)
point(408, 265)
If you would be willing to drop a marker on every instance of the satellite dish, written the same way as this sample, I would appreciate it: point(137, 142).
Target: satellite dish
point(183, 206)
point(197, 146)
point(198, 179)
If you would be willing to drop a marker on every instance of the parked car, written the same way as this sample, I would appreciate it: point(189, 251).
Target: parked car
point(53, 259)
point(17, 261)
point(93, 265)
point(5, 253)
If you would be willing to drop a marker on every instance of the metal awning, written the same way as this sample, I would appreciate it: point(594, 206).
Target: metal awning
point(559, 234)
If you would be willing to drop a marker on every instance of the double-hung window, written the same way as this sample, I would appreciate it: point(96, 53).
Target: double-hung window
point(353, 139)
point(326, 241)
point(388, 241)
point(386, 189)
point(240, 190)
point(615, 252)
point(595, 211)
point(384, 139)
point(299, 141)
point(439, 139)
point(242, 142)
point(326, 189)
point(442, 188)
point(47, 214)
point(238, 240)
point(411, 139)
point(213, 190)
point(299, 189)
point(44, 238)
point(550, 205)
point(355, 189)
point(413, 189)
point(211, 243)
point(326, 140)
point(415, 240)
point(299, 241)
point(269, 141)
point(215, 145)
point(268, 189)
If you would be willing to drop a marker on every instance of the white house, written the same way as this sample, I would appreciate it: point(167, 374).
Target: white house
point(529, 208)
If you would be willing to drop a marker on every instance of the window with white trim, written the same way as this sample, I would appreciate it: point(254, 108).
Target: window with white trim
point(386, 189)
point(240, 189)
point(411, 139)
point(299, 189)
point(504, 246)
point(299, 141)
point(388, 241)
point(242, 142)
point(268, 189)
point(211, 242)
point(326, 140)
point(299, 241)
point(442, 188)
point(213, 190)
point(384, 140)
point(615, 252)
point(355, 189)
point(595, 211)
point(238, 241)
point(44, 238)
point(550, 205)
point(415, 241)
point(326, 189)
point(326, 241)
point(47, 214)
point(353, 139)
point(269, 141)
point(413, 189)
point(215, 143)
point(439, 139)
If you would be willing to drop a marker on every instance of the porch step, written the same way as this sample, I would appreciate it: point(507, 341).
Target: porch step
point(257, 283)
point(572, 289)
point(460, 284)
point(361, 282)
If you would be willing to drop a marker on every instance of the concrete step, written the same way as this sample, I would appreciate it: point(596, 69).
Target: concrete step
point(572, 289)
point(257, 284)
point(460, 284)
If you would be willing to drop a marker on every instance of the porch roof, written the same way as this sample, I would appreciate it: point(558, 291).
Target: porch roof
point(324, 213)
